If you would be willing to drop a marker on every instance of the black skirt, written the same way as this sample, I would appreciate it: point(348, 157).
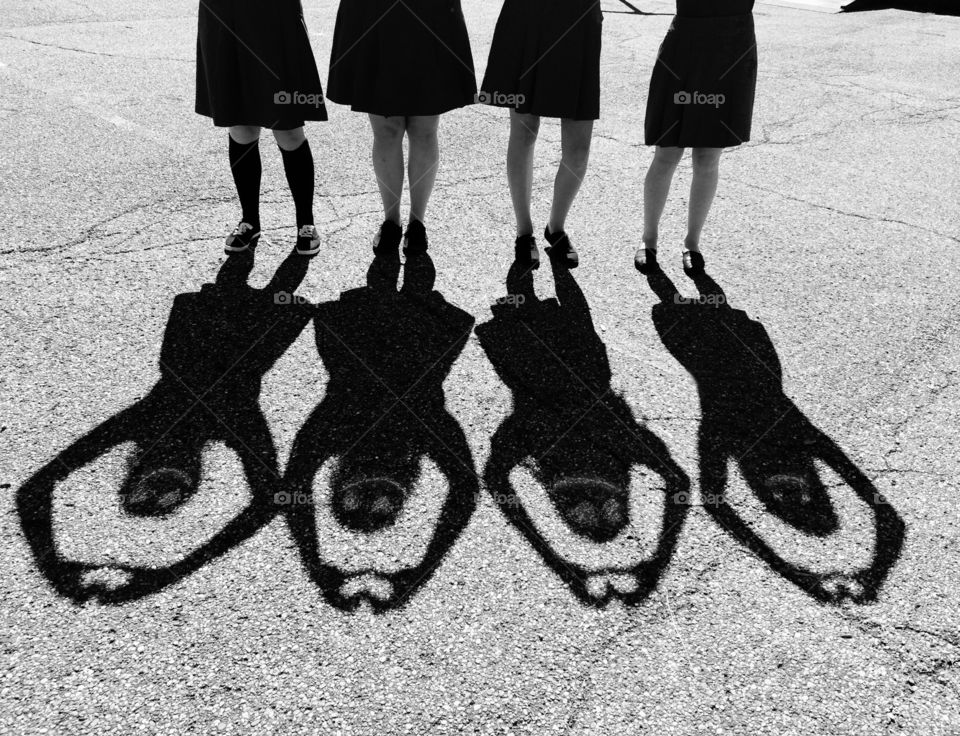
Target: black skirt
point(545, 59)
point(401, 58)
point(704, 83)
point(255, 65)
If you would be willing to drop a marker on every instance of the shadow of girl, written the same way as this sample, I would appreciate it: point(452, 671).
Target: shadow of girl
point(747, 419)
point(387, 353)
point(576, 438)
point(218, 344)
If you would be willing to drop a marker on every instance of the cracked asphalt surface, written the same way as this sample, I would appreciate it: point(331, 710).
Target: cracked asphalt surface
point(834, 239)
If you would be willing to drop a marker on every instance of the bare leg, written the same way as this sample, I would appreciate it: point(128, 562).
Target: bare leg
point(424, 161)
point(520, 150)
point(388, 162)
point(656, 188)
point(575, 137)
point(703, 188)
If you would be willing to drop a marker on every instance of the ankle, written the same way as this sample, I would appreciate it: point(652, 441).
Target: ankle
point(649, 242)
point(691, 245)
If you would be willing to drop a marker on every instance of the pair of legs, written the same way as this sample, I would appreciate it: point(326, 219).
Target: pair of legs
point(575, 137)
point(388, 162)
point(297, 165)
point(703, 188)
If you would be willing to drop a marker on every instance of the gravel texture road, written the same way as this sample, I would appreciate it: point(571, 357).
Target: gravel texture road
point(785, 560)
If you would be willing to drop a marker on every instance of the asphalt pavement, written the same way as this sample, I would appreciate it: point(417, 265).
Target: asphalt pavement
point(776, 551)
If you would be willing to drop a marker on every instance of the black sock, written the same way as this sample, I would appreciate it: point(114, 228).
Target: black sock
point(246, 167)
point(298, 165)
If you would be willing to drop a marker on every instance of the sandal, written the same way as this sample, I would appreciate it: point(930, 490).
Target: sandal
point(560, 250)
point(525, 252)
point(645, 260)
point(693, 263)
point(387, 241)
point(415, 239)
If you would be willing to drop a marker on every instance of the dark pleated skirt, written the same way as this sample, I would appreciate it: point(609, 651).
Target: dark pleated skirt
point(545, 59)
point(255, 65)
point(703, 85)
point(401, 58)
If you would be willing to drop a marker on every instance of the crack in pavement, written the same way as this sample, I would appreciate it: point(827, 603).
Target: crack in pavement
point(95, 53)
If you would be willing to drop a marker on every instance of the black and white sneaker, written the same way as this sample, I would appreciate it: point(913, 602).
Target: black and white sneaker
point(243, 238)
point(308, 241)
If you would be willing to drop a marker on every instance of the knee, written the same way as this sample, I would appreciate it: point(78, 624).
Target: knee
point(524, 129)
point(389, 130)
point(706, 160)
point(668, 157)
point(423, 130)
point(289, 140)
point(245, 134)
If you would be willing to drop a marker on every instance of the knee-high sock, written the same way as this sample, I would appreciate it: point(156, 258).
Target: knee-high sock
point(298, 165)
point(246, 168)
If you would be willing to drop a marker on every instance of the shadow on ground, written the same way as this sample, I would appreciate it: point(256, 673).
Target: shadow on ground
point(218, 344)
point(746, 419)
point(576, 437)
point(387, 352)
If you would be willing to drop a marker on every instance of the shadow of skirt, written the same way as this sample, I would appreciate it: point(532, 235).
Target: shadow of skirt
point(704, 83)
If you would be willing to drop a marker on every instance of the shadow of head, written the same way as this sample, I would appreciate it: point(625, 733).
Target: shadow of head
point(785, 480)
point(368, 504)
point(371, 483)
point(591, 507)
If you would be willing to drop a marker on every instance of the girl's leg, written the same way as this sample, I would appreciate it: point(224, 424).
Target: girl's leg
point(520, 149)
point(656, 187)
point(575, 136)
point(247, 170)
point(298, 166)
point(706, 173)
point(388, 162)
point(424, 161)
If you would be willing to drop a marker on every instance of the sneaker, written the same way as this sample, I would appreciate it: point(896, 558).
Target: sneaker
point(243, 237)
point(387, 241)
point(415, 239)
point(308, 241)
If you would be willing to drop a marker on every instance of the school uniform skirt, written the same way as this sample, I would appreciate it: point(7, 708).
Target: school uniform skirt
point(545, 59)
point(704, 83)
point(255, 65)
point(401, 58)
